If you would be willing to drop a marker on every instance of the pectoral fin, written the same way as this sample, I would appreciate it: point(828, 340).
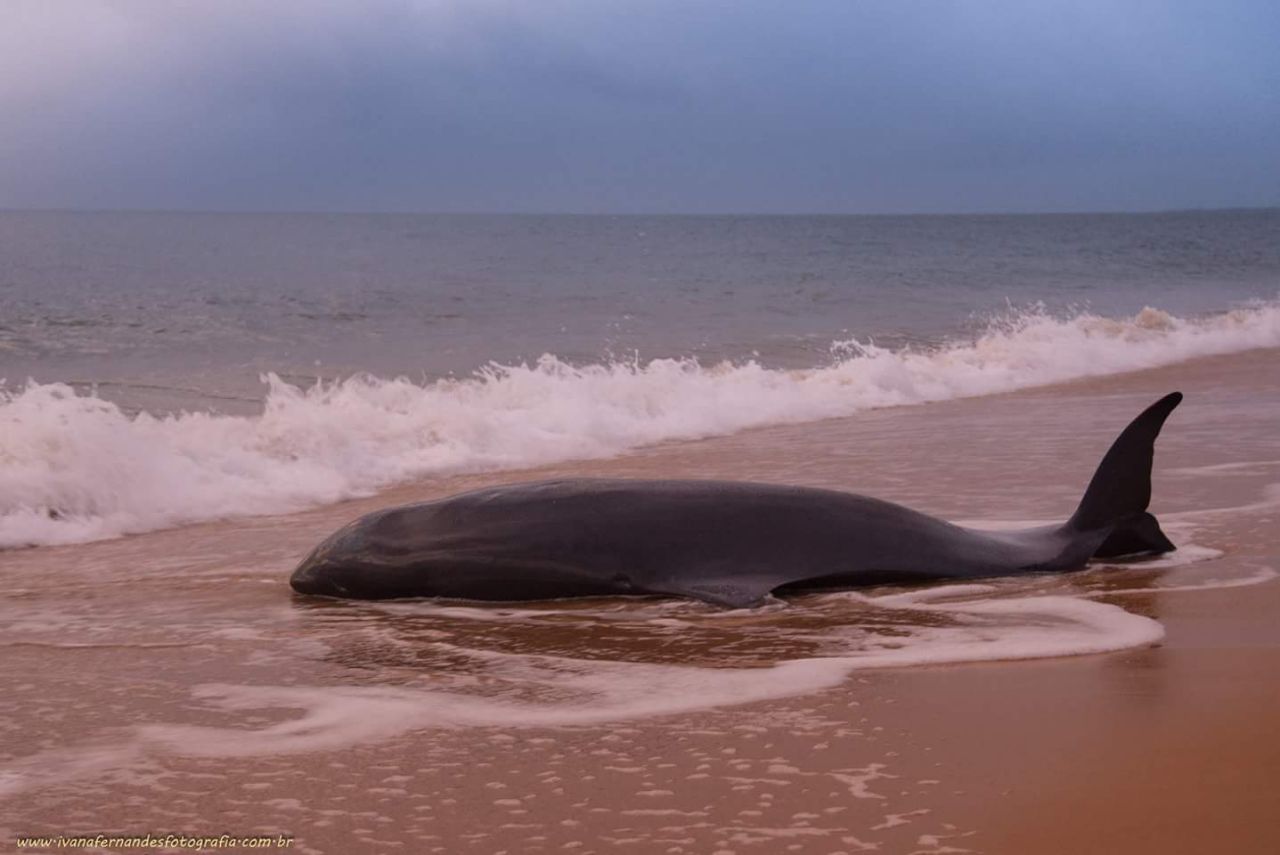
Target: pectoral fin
point(729, 593)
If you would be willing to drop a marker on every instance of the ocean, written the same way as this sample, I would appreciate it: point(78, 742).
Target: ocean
point(203, 304)
point(283, 361)
point(192, 401)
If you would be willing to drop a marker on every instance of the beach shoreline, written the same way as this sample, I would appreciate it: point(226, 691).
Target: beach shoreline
point(1153, 749)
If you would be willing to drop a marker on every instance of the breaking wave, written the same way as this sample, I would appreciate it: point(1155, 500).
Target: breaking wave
point(75, 468)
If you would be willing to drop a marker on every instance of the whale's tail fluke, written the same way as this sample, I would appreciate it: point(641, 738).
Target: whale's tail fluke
point(1120, 491)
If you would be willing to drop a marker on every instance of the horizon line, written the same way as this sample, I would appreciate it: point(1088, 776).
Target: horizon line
point(622, 214)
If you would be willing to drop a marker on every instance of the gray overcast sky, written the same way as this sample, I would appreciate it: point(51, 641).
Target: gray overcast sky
point(655, 106)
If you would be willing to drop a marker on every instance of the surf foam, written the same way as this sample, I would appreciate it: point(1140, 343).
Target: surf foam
point(588, 691)
point(509, 691)
point(75, 468)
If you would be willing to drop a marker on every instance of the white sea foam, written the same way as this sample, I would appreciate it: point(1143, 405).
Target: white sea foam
point(513, 690)
point(75, 468)
point(595, 691)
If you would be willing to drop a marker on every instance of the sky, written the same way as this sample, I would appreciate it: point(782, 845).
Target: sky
point(659, 106)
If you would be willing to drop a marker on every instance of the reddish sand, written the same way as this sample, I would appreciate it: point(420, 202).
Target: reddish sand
point(1169, 749)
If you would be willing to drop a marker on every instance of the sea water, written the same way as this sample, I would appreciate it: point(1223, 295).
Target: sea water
point(161, 369)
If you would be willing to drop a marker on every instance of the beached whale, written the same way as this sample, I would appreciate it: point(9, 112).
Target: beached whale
point(729, 543)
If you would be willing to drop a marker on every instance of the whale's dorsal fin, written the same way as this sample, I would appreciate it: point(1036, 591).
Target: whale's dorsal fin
point(1122, 485)
point(1118, 495)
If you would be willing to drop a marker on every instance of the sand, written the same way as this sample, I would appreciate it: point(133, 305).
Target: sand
point(1167, 748)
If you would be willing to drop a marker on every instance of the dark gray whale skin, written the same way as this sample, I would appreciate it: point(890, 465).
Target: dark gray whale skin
point(726, 542)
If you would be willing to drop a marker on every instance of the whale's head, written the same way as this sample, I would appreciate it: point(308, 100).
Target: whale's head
point(318, 575)
point(354, 562)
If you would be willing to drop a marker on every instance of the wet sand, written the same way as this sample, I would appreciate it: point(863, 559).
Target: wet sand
point(1166, 749)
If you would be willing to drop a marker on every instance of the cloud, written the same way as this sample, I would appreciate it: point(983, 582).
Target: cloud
point(745, 106)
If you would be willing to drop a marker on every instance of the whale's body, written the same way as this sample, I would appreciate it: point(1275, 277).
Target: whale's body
point(726, 542)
